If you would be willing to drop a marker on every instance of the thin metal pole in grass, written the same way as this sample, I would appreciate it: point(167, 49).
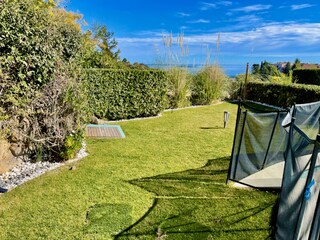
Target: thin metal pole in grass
point(226, 116)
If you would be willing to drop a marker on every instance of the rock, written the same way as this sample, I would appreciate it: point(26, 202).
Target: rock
point(25, 171)
point(7, 159)
point(73, 168)
point(94, 120)
point(16, 149)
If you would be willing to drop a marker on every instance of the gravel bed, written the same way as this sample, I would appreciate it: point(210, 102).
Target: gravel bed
point(26, 171)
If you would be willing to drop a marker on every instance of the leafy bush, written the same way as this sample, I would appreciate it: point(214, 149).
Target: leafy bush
point(33, 41)
point(41, 102)
point(283, 95)
point(306, 76)
point(124, 94)
point(72, 144)
point(179, 87)
point(266, 71)
point(208, 84)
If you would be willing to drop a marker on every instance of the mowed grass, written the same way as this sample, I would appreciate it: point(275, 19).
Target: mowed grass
point(165, 179)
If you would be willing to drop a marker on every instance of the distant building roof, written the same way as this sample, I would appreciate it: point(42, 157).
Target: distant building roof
point(309, 66)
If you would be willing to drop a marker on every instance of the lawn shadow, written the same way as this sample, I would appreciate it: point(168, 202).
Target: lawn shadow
point(106, 219)
point(212, 128)
point(197, 204)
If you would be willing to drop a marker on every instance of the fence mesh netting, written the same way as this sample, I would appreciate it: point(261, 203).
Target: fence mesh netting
point(259, 144)
point(298, 216)
point(279, 148)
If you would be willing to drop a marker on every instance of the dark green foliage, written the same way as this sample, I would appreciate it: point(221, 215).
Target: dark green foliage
point(106, 42)
point(71, 146)
point(100, 50)
point(296, 65)
point(282, 95)
point(32, 44)
point(255, 69)
point(267, 69)
point(306, 76)
point(39, 44)
point(124, 94)
point(24, 54)
point(287, 69)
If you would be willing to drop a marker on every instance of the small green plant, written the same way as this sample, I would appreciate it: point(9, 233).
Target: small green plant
point(72, 144)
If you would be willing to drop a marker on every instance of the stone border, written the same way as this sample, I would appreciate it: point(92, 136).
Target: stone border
point(26, 171)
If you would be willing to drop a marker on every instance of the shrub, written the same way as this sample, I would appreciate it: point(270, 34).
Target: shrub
point(209, 84)
point(282, 95)
point(178, 87)
point(124, 94)
point(41, 120)
point(306, 76)
point(33, 41)
point(40, 98)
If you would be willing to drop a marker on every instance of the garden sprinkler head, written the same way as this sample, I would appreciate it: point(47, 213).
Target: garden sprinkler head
point(226, 119)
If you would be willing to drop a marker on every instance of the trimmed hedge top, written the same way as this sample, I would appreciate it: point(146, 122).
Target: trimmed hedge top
point(123, 94)
point(282, 95)
point(307, 76)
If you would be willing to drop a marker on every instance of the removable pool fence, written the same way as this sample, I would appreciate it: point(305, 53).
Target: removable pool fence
point(279, 148)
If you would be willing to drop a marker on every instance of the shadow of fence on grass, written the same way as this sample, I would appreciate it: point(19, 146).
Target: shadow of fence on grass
point(196, 204)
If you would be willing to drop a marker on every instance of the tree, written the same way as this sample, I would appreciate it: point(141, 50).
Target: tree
point(267, 70)
point(106, 42)
point(255, 69)
point(297, 64)
point(100, 49)
point(287, 69)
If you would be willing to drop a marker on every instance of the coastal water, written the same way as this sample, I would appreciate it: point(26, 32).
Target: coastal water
point(231, 70)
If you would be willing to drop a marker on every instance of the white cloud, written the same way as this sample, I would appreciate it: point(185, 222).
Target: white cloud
point(206, 6)
point(182, 14)
point(275, 34)
point(248, 19)
point(253, 8)
point(199, 21)
point(301, 6)
point(224, 3)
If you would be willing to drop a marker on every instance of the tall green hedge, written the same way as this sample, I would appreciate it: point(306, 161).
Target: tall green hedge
point(123, 94)
point(306, 76)
point(282, 95)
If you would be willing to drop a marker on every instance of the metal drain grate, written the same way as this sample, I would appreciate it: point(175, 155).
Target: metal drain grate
point(104, 131)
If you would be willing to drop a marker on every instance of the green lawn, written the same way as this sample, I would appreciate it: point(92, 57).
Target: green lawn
point(165, 178)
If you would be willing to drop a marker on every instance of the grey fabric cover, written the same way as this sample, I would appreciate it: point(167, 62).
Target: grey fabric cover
point(259, 141)
point(266, 135)
point(298, 214)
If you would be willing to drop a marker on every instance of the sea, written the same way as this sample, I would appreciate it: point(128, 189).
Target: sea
point(230, 70)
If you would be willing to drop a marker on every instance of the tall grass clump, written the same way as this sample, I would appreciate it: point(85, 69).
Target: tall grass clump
point(179, 92)
point(179, 78)
point(208, 85)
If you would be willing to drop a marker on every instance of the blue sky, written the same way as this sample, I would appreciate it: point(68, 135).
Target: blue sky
point(250, 31)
